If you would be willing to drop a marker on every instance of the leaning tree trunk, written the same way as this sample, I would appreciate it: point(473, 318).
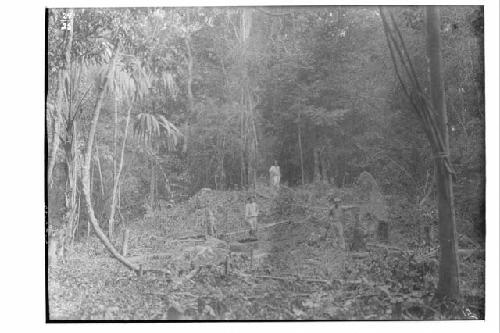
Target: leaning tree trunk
point(116, 178)
point(63, 75)
point(448, 285)
point(86, 168)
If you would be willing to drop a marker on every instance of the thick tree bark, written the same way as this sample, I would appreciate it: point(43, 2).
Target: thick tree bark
point(448, 285)
point(59, 119)
point(116, 178)
point(86, 168)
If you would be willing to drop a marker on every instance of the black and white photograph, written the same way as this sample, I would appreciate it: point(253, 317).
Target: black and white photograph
point(265, 163)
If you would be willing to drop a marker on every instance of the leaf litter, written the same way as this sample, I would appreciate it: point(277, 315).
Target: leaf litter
point(290, 273)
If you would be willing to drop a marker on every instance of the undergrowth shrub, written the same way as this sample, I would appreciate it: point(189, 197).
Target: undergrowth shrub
point(285, 204)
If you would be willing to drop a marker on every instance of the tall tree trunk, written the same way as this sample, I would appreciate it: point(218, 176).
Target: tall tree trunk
point(115, 136)
point(219, 173)
point(479, 77)
point(119, 203)
point(316, 162)
point(252, 172)
point(428, 188)
point(75, 227)
point(448, 285)
point(62, 77)
point(247, 100)
point(300, 150)
point(73, 167)
point(222, 176)
point(242, 149)
point(99, 170)
point(100, 205)
point(91, 181)
point(58, 122)
point(189, 107)
point(86, 167)
point(117, 180)
point(324, 166)
point(252, 143)
point(152, 185)
point(70, 140)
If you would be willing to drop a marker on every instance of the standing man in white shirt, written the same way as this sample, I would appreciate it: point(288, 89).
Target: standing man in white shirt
point(275, 175)
point(251, 215)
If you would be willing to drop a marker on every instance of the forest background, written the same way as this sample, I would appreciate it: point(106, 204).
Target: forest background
point(380, 171)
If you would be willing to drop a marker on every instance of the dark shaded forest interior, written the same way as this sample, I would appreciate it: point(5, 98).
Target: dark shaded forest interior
point(266, 163)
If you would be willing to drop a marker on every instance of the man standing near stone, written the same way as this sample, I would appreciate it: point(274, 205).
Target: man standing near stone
point(210, 223)
point(275, 175)
point(334, 216)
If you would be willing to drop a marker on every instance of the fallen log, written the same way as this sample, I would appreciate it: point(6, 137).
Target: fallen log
point(468, 252)
point(185, 278)
point(261, 227)
point(263, 195)
point(387, 247)
point(290, 278)
point(266, 226)
point(162, 272)
point(256, 297)
point(397, 249)
point(197, 236)
point(150, 256)
point(360, 255)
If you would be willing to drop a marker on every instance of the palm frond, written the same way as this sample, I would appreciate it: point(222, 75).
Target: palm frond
point(156, 129)
point(169, 82)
